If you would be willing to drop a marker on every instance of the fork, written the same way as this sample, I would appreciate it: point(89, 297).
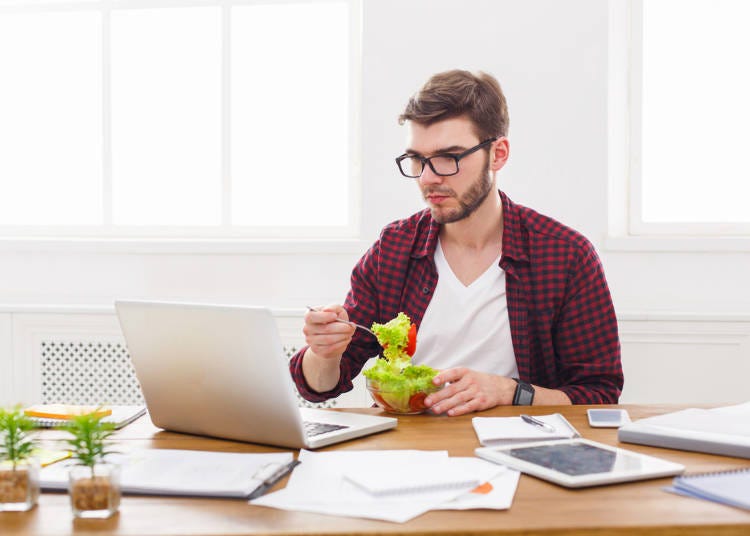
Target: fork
point(360, 326)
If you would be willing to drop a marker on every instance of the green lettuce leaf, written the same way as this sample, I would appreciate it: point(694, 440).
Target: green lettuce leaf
point(393, 375)
point(393, 336)
point(396, 386)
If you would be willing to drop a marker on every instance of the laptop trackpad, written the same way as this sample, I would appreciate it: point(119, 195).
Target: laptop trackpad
point(316, 428)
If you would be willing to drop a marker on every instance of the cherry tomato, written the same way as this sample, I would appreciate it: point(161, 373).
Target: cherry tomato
point(411, 344)
point(416, 401)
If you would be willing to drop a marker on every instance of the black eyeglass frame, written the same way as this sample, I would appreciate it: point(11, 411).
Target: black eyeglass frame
point(428, 160)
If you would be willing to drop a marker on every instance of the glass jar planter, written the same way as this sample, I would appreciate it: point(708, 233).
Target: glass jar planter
point(19, 485)
point(94, 491)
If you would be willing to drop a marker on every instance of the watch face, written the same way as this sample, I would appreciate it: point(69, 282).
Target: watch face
point(524, 394)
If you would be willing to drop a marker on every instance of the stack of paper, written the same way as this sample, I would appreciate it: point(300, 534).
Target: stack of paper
point(497, 431)
point(324, 483)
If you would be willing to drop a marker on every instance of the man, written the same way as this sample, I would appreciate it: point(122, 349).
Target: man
point(511, 306)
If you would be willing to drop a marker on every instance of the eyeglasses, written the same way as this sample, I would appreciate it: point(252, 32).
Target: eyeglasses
point(444, 165)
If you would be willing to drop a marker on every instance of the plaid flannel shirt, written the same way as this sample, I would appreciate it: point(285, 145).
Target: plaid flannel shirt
point(562, 320)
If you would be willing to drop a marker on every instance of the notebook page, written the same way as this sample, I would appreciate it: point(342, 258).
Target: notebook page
point(727, 487)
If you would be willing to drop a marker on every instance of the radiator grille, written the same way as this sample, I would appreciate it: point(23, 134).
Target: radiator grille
point(94, 372)
point(289, 351)
point(88, 372)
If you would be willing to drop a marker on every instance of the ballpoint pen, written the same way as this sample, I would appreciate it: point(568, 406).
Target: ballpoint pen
point(538, 422)
point(271, 476)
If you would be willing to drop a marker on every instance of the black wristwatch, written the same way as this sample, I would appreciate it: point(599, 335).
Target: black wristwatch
point(524, 395)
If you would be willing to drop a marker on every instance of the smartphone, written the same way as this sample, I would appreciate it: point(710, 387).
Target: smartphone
point(607, 418)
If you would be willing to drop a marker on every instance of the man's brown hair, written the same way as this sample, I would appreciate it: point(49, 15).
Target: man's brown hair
point(455, 93)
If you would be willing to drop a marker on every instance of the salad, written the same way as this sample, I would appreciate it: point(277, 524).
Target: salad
point(396, 384)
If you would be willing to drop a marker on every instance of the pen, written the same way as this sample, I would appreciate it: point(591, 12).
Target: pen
point(269, 481)
point(537, 422)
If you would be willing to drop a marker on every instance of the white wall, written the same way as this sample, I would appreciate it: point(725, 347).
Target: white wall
point(551, 58)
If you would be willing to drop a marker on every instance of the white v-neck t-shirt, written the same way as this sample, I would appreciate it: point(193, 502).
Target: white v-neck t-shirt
point(467, 326)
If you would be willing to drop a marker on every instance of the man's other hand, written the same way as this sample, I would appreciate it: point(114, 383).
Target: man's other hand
point(469, 391)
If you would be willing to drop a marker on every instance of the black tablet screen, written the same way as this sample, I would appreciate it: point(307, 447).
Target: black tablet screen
point(572, 459)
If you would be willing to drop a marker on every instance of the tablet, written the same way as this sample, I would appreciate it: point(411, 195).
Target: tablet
point(578, 463)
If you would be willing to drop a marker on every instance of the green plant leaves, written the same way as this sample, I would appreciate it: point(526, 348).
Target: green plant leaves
point(89, 436)
point(15, 443)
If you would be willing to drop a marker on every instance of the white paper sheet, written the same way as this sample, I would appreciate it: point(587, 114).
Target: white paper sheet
point(497, 493)
point(318, 485)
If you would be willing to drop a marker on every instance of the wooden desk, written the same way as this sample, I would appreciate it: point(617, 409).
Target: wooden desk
point(538, 508)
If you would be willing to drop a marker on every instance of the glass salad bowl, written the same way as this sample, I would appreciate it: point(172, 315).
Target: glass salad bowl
point(404, 401)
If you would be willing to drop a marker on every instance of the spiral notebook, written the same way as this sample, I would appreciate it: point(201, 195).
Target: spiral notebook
point(726, 487)
point(117, 415)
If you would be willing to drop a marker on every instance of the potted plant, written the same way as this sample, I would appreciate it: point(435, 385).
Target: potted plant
point(93, 484)
point(19, 472)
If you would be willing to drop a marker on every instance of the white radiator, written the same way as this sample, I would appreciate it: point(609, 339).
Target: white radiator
point(81, 358)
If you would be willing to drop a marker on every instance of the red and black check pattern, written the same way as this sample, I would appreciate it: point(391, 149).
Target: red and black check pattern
point(562, 320)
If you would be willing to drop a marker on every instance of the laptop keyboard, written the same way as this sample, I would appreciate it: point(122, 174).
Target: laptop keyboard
point(316, 428)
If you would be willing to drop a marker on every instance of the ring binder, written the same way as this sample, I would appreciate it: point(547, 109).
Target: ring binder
point(270, 476)
point(185, 473)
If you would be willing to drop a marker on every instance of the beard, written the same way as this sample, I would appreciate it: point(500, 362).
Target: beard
point(467, 203)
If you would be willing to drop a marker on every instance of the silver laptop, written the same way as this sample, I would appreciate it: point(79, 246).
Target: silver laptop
point(220, 371)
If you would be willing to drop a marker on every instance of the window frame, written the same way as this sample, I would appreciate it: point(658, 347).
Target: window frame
point(185, 238)
point(627, 230)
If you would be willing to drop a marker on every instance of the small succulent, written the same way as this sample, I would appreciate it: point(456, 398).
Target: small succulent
point(89, 436)
point(15, 442)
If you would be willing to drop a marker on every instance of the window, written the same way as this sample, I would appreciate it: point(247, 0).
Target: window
point(169, 118)
point(689, 117)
